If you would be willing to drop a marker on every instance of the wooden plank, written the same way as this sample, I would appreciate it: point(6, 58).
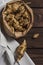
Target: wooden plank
point(33, 43)
point(38, 17)
point(35, 3)
point(36, 55)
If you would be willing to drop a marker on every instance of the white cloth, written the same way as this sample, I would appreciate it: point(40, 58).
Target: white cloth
point(12, 45)
point(3, 3)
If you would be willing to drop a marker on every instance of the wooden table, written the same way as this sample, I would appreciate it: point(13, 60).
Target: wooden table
point(35, 46)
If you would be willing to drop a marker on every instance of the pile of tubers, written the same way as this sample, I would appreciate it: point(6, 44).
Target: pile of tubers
point(17, 18)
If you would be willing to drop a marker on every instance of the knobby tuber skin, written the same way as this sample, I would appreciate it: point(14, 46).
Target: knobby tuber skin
point(19, 53)
point(35, 36)
point(17, 16)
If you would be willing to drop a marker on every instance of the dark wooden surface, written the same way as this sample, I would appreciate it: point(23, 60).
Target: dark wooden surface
point(35, 46)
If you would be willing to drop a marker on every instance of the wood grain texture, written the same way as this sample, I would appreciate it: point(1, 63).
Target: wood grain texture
point(35, 3)
point(38, 17)
point(36, 55)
